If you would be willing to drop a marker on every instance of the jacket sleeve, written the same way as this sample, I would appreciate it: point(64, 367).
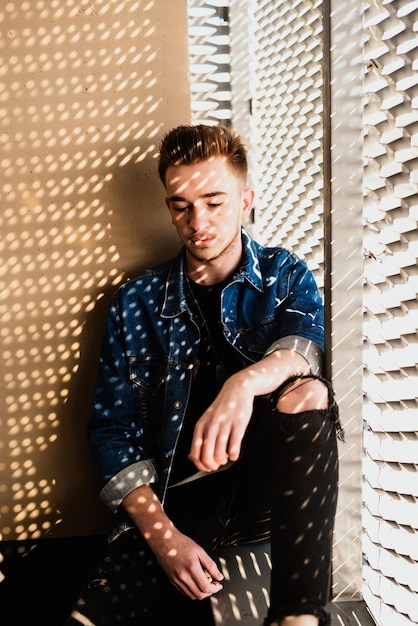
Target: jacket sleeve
point(115, 434)
point(310, 351)
point(299, 313)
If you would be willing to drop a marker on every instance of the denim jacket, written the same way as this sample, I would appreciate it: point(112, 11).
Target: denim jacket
point(150, 348)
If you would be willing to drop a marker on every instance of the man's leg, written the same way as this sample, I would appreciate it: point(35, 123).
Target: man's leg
point(303, 502)
point(284, 487)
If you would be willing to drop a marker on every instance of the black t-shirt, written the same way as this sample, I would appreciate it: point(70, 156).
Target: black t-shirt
point(216, 361)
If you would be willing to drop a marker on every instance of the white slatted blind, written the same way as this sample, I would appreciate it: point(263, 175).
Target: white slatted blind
point(287, 107)
point(391, 312)
point(209, 49)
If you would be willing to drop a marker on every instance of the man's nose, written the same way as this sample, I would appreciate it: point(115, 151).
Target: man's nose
point(198, 218)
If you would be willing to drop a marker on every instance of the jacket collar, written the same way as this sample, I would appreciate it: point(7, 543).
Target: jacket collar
point(175, 301)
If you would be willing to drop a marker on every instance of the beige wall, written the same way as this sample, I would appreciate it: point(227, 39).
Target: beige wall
point(88, 87)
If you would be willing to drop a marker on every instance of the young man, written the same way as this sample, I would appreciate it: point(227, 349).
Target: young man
point(211, 422)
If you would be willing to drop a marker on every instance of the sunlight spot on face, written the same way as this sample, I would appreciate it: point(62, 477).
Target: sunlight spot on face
point(173, 180)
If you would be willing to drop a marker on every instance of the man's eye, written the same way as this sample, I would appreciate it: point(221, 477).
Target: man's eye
point(214, 204)
point(180, 207)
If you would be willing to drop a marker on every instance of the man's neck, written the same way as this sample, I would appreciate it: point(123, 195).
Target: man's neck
point(209, 273)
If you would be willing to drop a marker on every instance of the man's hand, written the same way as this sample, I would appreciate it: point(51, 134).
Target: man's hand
point(219, 432)
point(188, 566)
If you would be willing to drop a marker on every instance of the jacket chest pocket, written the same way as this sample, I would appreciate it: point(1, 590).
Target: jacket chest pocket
point(148, 380)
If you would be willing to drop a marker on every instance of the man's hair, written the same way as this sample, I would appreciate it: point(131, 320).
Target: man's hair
point(187, 145)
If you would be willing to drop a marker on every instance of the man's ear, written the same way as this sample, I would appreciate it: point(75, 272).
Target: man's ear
point(167, 201)
point(248, 199)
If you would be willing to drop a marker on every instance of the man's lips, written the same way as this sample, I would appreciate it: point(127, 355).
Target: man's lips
point(201, 242)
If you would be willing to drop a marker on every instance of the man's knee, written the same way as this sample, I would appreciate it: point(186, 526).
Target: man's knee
point(303, 394)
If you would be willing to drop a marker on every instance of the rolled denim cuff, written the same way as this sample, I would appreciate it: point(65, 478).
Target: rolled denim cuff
point(310, 350)
point(125, 481)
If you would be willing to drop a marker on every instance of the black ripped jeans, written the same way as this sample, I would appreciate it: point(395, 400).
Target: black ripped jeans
point(283, 488)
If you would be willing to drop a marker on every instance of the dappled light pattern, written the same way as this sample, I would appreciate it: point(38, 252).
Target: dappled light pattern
point(248, 601)
point(81, 112)
point(287, 100)
point(245, 596)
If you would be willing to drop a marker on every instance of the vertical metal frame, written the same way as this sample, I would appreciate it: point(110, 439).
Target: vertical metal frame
point(343, 75)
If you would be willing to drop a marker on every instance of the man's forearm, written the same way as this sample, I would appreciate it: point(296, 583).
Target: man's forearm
point(267, 374)
point(146, 511)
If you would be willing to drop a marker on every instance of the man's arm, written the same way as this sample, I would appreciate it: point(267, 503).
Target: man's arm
point(219, 432)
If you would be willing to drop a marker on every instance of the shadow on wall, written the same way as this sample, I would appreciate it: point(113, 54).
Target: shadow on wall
point(59, 348)
point(83, 109)
point(136, 232)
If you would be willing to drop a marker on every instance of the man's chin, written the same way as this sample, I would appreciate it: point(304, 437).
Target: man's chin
point(201, 253)
point(202, 257)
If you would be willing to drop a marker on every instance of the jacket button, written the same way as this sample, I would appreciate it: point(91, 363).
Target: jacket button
point(178, 404)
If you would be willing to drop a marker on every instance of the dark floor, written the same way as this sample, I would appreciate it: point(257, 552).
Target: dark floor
point(41, 580)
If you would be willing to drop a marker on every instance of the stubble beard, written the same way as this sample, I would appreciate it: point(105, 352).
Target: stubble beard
point(203, 257)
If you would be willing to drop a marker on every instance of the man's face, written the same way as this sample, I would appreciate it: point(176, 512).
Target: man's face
point(207, 203)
